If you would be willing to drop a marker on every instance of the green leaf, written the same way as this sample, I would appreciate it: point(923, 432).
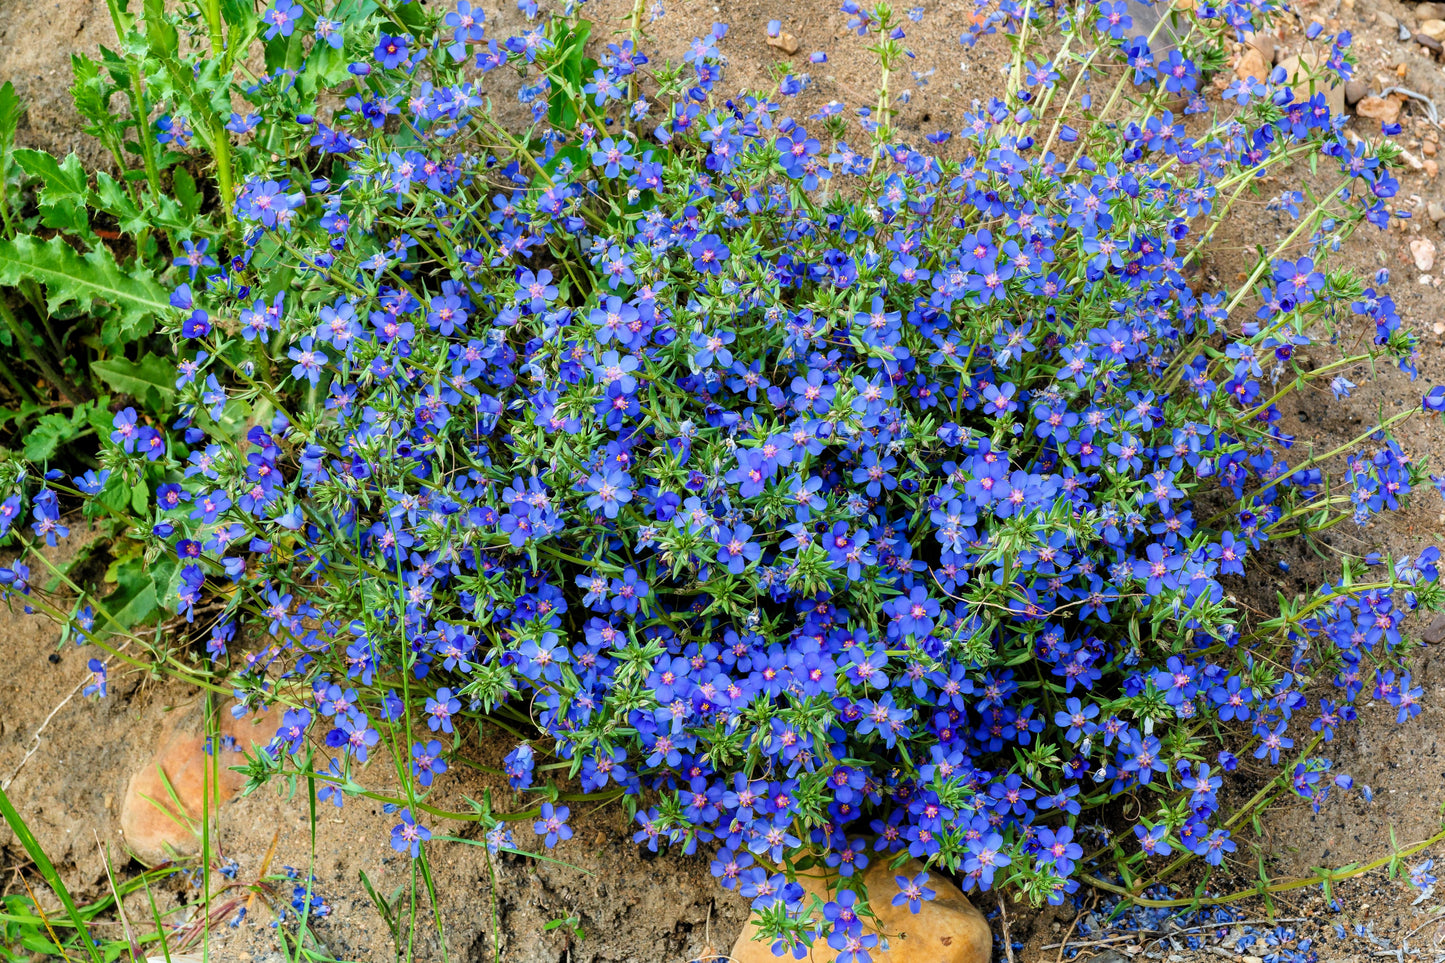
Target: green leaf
point(150, 380)
point(73, 278)
point(185, 190)
point(116, 493)
point(92, 100)
point(11, 108)
point(570, 62)
point(285, 51)
point(140, 495)
point(21, 415)
point(238, 14)
point(58, 179)
point(135, 598)
point(160, 32)
point(112, 198)
point(50, 432)
point(64, 190)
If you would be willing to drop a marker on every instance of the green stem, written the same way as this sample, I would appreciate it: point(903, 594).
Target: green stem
point(135, 93)
point(47, 869)
point(54, 375)
point(1321, 877)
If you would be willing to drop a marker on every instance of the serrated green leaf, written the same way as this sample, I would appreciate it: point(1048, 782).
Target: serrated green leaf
point(150, 380)
point(49, 433)
point(160, 32)
point(58, 179)
point(21, 415)
point(82, 280)
point(112, 198)
point(92, 101)
point(64, 191)
point(69, 216)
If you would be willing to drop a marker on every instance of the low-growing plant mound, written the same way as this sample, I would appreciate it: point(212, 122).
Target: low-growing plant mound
point(819, 497)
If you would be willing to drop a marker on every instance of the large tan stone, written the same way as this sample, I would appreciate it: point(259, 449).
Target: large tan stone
point(160, 816)
point(946, 929)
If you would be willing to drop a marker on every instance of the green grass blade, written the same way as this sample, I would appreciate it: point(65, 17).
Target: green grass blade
point(47, 870)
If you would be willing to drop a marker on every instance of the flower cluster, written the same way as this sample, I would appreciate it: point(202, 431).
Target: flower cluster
point(825, 500)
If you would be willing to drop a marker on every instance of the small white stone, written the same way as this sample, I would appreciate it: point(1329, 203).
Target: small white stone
point(1422, 249)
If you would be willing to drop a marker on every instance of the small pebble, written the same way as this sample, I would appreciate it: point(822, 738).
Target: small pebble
point(785, 42)
point(1422, 249)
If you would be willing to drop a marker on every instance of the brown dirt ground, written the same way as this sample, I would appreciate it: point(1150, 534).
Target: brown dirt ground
point(667, 908)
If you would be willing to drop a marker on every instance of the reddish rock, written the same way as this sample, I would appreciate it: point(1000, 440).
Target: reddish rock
point(160, 821)
point(1384, 109)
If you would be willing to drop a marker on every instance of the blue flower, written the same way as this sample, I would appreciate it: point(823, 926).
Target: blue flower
point(553, 824)
point(281, 18)
point(408, 835)
point(391, 51)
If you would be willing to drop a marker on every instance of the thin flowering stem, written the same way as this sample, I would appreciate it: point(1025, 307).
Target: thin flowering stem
point(1313, 460)
point(1186, 355)
point(1323, 877)
point(165, 665)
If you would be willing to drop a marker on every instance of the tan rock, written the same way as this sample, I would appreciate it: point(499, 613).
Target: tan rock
point(1422, 249)
point(1306, 80)
point(1251, 65)
point(1384, 109)
point(1434, 29)
point(785, 42)
point(1432, 169)
point(1430, 11)
point(164, 802)
point(947, 928)
point(1265, 43)
point(1436, 211)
